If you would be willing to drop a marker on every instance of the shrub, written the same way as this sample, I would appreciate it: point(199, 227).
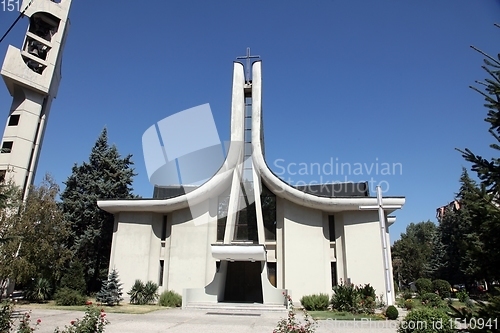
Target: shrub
point(5, 316)
point(136, 292)
point(345, 298)
point(366, 291)
point(407, 295)
point(355, 299)
point(409, 304)
point(39, 290)
point(94, 321)
point(67, 296)
point(391, 312)
point(141, 293)
point(423, 286)
point(25, 324)
point(7, 323)
point(462, 295)
point(315, 302)
point(170, 298)
point(150, 292)
point(431, 299)
point(442, 287)
point(426, 320)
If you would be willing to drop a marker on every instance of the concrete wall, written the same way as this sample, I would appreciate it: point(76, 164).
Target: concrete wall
point(189, 265)
point(306, 256)
point(363, 249)
point(136, 247)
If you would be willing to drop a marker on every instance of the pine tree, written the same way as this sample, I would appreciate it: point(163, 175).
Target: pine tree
point(489, 170)
point(438, 261)
point(485, 211)
point(111, 290)
point(105, 176)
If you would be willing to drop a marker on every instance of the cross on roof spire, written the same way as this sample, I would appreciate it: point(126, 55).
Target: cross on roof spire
point(247, 66)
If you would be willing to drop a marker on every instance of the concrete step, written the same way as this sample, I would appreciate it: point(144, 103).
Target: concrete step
point(235, 307)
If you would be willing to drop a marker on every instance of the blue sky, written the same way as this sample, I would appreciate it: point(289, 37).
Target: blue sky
point(367, 82)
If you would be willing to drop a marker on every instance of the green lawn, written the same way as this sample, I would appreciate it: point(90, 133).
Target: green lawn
point(323, 315)
point(122, 308)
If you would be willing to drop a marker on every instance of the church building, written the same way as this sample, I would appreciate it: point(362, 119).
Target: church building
point(246, 236)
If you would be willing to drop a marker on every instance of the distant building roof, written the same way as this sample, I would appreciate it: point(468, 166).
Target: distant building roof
point(321, 190)
point(165, 192)
point(337, 189)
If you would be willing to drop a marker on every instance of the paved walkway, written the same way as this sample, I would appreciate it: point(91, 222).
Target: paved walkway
point(201, 321)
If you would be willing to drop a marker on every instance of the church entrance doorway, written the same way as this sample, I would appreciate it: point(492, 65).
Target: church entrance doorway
point(243, 282)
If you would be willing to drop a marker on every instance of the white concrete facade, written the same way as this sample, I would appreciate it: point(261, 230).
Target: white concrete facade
point(175, 242)
point(32, 74)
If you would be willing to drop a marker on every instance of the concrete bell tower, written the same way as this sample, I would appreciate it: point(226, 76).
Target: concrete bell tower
point(32, 75)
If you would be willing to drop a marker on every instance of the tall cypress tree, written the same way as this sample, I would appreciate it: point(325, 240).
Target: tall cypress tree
point(105, 176)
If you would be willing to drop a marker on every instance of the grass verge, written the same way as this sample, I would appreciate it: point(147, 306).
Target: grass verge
point(323, 315)
point(122, 308)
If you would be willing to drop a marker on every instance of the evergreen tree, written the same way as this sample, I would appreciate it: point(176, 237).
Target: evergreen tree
point(111, 290)
point(105, 176)
point(464, 232)
point(74, 278)
point(489, 170)
point(486, 213)
point(438, 260)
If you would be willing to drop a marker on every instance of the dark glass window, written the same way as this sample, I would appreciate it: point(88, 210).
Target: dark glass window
point(331, 227)
point(14, 120)
point(222, 208)
point(7, 147)
point(268, 202)
point(164, 229)
point(246, 226)
point(333, 269)
point(162, 267)
point(271, 273)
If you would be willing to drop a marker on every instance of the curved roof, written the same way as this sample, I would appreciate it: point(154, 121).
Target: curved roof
point(221, 180)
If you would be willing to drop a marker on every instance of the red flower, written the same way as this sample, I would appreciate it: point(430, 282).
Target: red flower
point(88, 303)
point(103, 315)
point(38, 321)
point(102, 310)
point(72, 322)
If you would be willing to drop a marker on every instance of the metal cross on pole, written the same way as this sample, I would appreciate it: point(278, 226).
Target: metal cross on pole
point(383, 234)
point(248, 57)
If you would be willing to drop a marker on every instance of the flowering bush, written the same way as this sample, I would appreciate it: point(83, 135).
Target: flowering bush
point(5, 316)
point(25, 324)
point(293, 325)
point(7, 324)
point(94, 321)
